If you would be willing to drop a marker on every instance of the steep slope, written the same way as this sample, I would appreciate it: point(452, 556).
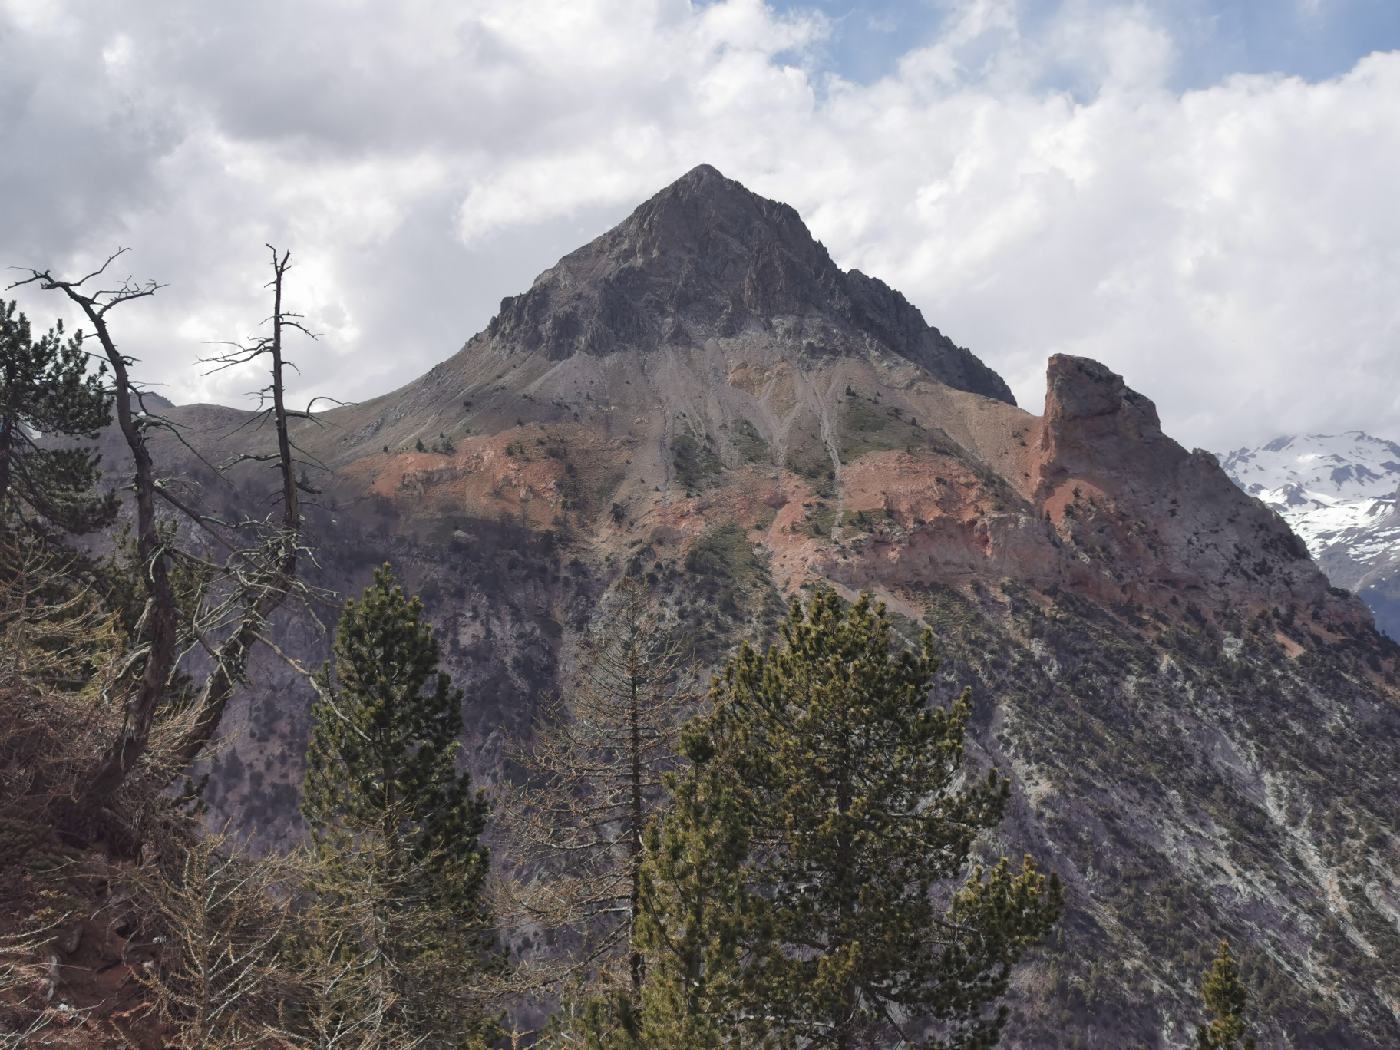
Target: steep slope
point(1341, 494)
point(1199, 728)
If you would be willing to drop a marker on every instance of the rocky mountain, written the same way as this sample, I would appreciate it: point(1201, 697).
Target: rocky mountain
point(1341, 494)
point(1201, 731)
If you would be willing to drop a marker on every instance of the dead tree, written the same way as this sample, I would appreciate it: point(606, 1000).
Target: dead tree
point(158, 630)
point(251, 582)
point(593, 779)
point(223, 922)
point(264, 580)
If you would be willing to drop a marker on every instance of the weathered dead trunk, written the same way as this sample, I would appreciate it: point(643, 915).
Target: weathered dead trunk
point(266, 595)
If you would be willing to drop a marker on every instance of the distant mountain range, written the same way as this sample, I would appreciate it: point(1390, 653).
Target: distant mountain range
point(1341, 494)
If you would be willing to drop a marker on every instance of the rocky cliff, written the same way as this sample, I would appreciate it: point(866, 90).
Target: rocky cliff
point(1201, 731)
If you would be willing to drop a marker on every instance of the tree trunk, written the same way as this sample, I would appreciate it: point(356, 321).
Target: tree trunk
point(7, 437)
point(7, 426)
point(159, 614)
point(231, 658)
point(634, 838)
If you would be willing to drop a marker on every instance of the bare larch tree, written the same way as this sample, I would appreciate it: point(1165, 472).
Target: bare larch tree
point(593, 778)
point(265, 574)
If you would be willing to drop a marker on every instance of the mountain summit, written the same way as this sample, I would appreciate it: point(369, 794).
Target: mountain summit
point(1341, 494)
point(1198, 728)
point(708, 259)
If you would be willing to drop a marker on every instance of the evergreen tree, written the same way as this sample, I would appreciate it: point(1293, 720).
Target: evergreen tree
point(396, 829)
point(46, 390)
point(799, 891)
point(1225, 1001)
point(692, 921)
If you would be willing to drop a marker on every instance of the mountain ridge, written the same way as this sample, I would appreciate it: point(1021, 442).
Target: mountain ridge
point(1167, 678)
point(1341, 494)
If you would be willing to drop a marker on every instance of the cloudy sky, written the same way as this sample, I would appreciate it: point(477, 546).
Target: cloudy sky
point(1201, 194)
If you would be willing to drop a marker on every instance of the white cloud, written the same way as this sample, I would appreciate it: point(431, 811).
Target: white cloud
point(1034, 187)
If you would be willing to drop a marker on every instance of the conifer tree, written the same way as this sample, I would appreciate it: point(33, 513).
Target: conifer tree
point(691, 923)
point(396, 828)
point(593, 781)
point(47, 390)
point(799, 893)
point(1225, 1001)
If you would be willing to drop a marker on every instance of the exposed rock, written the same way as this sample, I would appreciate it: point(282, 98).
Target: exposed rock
point(706, 257)
point(70, 938)
point(1199, 729)
point(1172, 521)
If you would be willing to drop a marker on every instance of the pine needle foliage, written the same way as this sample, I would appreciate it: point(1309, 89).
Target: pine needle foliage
point(395, 828)
point(803, 890)
point(1225, 1000)
point(47, 390)
point(222, 920)
point(55, 630)
point(696, 914)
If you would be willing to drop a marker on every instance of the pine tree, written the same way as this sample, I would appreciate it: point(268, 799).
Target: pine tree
point(694, 911)
point(1225, 1001)
point(396, 829)
point(47, 390)
point(799, 891)
point(593, 780)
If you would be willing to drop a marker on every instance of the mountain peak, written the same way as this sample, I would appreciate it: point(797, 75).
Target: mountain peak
point(707, 258)
point(708, 183)
point(704, 175)
point(1341, 494)
point(720, 222)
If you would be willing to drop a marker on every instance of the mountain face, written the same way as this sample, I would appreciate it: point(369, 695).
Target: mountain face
point(708, 259)
point(1200, 730)
point(1340, 493)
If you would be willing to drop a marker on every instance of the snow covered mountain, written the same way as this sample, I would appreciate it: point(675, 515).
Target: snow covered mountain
point(1341, 494)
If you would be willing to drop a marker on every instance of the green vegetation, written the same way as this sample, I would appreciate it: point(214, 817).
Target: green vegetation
point(867, 520)
point(583, 491)
point(808, 458)
point(821, 519)
point(724, 553)
point(380, 930)
point(791, 892)
point(870, 427)
point(47, 391)
point(1223, 993)
point(726, 567)
point(776, 881)
point(749, 442)
point(695, 462)
point(596, 765)
point(399, 868)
